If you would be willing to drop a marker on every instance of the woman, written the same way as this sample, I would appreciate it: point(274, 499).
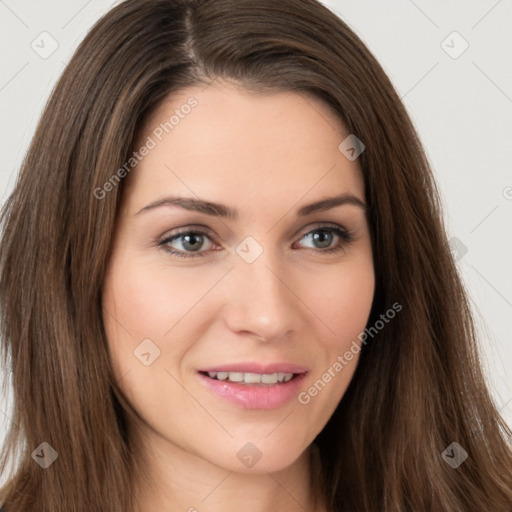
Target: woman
point(225, 281)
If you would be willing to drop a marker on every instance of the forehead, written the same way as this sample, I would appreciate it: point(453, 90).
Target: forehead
point(242, 148)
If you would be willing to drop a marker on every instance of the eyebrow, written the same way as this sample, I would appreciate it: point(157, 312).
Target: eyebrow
point(220, 210)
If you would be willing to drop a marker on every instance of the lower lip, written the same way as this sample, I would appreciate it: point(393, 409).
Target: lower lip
point(255, 396)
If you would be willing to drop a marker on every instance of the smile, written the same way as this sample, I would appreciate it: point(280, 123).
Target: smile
point(254, 390)
point(252, 378)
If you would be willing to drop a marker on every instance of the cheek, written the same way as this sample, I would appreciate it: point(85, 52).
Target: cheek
point(343, 303)
point(148, 299)
point(341, 299)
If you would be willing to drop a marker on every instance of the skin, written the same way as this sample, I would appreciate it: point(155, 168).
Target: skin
point(265, 155)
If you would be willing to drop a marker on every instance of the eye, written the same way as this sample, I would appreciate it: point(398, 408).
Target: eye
point(323, 237)
point(191, 241)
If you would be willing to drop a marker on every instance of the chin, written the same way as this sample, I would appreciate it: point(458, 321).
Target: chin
point(259, 457)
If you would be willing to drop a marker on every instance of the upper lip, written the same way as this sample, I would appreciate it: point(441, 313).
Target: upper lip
point(253, 367)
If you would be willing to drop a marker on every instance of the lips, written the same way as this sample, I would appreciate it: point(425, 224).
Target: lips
point(254, 385)
point(253, 367)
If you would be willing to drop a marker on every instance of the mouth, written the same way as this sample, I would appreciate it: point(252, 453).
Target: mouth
point(255, 386)
point(264, 379)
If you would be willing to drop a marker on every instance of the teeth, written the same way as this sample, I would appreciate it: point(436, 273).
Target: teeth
point(236, 376)
point(269, 379)
point(252, 378)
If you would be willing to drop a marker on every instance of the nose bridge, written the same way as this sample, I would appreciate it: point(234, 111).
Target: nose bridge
point(262, 302)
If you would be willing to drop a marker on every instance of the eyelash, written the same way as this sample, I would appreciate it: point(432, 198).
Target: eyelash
point(344, 234)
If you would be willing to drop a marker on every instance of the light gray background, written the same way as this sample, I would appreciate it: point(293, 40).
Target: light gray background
point(462, 108)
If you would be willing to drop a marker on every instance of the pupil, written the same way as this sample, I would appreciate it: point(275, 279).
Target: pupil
point(323, 237)
point(190, 241)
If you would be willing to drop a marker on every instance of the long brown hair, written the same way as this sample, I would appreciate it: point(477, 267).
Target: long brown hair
point(418, 385)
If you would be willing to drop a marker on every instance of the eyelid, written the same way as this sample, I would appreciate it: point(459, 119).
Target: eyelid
point(194, 228)
point(320, 225)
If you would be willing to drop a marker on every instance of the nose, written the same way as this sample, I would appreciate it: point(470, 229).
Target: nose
point(261, 301)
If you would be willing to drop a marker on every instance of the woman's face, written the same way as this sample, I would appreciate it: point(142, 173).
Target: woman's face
point(264, 284)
